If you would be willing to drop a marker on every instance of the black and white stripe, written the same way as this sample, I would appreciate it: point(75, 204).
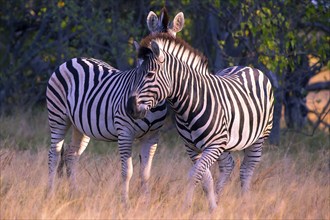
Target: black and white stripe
point(214, 114)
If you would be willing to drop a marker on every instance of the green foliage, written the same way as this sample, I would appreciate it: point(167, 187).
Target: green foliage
point(38, 36)
point(278, 32)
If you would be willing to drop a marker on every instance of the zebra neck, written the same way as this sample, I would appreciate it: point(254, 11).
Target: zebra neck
point(188, 91)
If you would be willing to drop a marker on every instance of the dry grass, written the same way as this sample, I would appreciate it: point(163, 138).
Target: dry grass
point(292, 181)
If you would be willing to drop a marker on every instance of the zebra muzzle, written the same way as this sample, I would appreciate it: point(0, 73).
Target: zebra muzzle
point(136, 110)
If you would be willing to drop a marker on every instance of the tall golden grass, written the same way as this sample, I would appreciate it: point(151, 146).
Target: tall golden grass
point(291, 182)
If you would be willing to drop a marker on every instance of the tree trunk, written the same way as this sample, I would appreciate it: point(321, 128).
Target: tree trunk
point(274, 137)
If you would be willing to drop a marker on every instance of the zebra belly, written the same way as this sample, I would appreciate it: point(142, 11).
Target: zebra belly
point(240, 141)
point(101, 128)
point(198, 144)
point(234, 145)
point(236, 141)
point(96, 124)
point(97, 131)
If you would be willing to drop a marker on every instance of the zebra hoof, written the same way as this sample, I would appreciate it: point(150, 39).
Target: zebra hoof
point(212, 208)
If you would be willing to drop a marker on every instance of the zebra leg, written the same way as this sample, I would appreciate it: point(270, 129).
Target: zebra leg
point(72, 152)
point(58, 130)
point(202, 165)
point(53, 155)
point(208, 188)
point(61, 164)
point(226, 165)
point(207, 180)
point(252, 156)
point(148, 149)
point(125, 151)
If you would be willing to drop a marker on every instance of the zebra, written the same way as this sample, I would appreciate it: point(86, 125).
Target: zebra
point(214, 114)
point(161, 25)
point(157, 25)
point(90, 95)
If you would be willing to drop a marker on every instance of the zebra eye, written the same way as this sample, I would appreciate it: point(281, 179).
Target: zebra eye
point(151, 74)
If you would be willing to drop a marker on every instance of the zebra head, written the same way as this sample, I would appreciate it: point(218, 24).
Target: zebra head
point(153, 85)
point(162, 25)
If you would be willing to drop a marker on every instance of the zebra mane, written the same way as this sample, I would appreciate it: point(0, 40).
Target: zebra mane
point(168, 39)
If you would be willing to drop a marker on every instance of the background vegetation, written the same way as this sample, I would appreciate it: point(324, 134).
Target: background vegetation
point(287, 38)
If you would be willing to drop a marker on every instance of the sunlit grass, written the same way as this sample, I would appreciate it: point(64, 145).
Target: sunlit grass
point(291, 182)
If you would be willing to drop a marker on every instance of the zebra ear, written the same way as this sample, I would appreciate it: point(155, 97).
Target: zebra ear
point(136, 45)
point(137, 48)
point(139, 62)
point(178, 23)
point(156, 51)
point(163, 20)
point(144, 53)
point(152, 22)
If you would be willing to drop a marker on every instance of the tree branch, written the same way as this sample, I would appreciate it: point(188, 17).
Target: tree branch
point(318, 86)
point(316, 25)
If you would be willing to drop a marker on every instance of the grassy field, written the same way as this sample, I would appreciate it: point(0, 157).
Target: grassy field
point(291, 182)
